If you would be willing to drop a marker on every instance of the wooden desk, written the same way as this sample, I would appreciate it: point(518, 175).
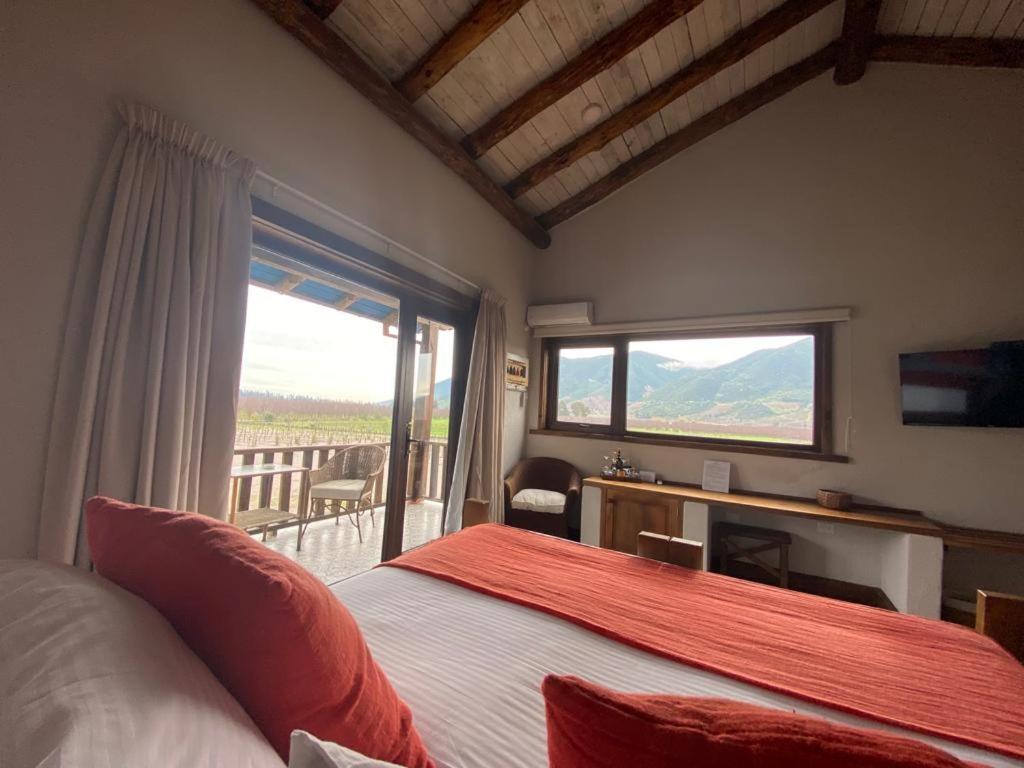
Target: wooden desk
point(907, 547)
point(669, 498)
point(627, 509)
point(897, 521)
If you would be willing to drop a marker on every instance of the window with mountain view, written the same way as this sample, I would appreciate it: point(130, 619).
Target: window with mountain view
point(584, 391)
point(749, 388)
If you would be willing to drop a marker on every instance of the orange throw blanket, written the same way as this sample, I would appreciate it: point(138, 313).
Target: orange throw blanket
point(922, 675)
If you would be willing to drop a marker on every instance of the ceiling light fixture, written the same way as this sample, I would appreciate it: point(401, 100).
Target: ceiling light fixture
point(591, 114)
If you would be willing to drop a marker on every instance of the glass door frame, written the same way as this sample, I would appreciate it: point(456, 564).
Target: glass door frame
point(319, 249)
point(411, 310)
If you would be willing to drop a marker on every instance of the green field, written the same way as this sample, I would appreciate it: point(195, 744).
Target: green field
point(340, 424)
point(272, 429)
point(723, 435)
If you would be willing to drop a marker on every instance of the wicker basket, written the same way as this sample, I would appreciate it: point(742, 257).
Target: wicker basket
point(834, 499)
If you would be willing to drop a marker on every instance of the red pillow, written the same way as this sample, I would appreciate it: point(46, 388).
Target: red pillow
point(273, 634)
point(594, 727)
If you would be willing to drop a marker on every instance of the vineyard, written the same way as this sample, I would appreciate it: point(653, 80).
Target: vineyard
point(271, 420)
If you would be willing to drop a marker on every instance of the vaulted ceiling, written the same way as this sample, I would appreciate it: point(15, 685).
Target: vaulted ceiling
point(547, 106)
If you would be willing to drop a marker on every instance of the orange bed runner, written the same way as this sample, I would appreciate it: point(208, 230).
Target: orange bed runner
point(922, 675)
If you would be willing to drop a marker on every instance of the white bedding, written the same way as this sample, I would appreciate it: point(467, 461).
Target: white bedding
point(91, 676)
point(470, 667)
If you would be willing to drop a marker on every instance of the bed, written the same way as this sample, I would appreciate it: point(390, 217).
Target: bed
point(469, 664)
point(469, 660)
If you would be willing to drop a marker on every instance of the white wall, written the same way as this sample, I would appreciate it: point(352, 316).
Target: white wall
point(901, 197)
point(227, 69)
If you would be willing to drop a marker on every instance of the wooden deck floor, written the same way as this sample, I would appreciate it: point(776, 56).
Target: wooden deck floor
point(333, 552)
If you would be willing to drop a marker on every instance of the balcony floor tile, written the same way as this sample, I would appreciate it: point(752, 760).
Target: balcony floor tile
point(333, 552)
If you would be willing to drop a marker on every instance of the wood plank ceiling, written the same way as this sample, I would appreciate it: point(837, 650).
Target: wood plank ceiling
point(547, 106)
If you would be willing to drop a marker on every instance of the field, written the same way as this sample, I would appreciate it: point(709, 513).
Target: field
point(791, 435)
point(787, 435)
point(272, 420)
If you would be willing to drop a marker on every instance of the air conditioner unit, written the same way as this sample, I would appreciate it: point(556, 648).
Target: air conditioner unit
point(546, 315)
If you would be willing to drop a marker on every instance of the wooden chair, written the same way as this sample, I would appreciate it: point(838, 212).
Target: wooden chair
point(728, 535)
point(1001, 617)
point(665, 549)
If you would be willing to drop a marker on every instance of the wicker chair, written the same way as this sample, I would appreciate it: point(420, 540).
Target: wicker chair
point(346, 483)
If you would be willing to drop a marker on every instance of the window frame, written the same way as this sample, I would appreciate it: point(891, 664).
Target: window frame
point(320, 250)
point(551, 381)
point(820, 448)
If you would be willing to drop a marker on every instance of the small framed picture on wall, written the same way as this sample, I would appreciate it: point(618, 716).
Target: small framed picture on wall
point(516, 372)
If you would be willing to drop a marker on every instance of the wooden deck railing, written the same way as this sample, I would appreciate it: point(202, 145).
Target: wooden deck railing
point(282, 491)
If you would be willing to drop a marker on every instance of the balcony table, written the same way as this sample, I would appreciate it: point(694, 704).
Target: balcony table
point(266, 516)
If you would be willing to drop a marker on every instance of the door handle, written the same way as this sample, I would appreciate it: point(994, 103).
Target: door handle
point(410, 441)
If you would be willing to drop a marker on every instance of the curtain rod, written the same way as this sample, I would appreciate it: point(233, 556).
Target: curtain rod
point(278, 184)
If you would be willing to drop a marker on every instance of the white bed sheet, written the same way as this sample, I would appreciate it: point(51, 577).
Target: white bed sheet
point(470, 667)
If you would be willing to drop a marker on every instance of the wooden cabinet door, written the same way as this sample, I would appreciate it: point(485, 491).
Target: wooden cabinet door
point(627, 513)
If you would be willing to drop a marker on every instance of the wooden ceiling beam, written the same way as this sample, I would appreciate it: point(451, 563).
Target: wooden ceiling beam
point(699, 129)
point(461, 41)
point(323, 8)
point(593, 60)
point(860, 19)
point(951, 51)
point(744, 42)
point(303, 24)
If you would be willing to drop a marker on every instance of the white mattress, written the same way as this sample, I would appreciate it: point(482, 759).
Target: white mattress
point(470, 667)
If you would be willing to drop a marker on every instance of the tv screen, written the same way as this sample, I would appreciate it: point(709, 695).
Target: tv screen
point(968, 387)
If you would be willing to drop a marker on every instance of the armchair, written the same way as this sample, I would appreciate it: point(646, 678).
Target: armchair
point(545, 474)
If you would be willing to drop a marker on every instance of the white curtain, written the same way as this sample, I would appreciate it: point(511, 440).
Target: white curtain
point(148, 383)
point(477, 473)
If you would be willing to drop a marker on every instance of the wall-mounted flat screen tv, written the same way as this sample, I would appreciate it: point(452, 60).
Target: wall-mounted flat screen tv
point(965, 388)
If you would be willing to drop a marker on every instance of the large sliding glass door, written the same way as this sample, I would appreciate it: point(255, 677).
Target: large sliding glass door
point(364, 388)
point(433, 351)
point(434, 340)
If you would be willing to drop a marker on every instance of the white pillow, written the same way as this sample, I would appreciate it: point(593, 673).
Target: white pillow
point(536, 500)
point(307, 751)
point(91, 675)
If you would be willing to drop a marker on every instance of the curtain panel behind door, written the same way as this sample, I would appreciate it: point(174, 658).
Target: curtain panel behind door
point(477, 473)
point(148, 383)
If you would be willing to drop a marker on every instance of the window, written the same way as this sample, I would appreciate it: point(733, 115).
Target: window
point(761, 391)
point(584, 386)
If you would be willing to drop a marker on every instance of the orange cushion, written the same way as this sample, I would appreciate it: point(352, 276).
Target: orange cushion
point(275, 636)
point(594, 727)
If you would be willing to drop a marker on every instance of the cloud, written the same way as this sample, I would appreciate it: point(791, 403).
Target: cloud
point(295, 347)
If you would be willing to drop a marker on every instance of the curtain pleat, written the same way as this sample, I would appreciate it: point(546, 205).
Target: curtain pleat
point(148, 384)
point(477, 472)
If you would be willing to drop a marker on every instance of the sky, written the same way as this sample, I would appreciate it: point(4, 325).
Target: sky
point(699, 353)
point(296, 347)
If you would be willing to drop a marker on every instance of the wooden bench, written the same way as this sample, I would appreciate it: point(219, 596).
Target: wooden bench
point(726, 535)
point(1001, 617)
point(666, 549)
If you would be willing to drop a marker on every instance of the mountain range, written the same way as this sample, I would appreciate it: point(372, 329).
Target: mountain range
point(442, 395)
point(770, 387)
